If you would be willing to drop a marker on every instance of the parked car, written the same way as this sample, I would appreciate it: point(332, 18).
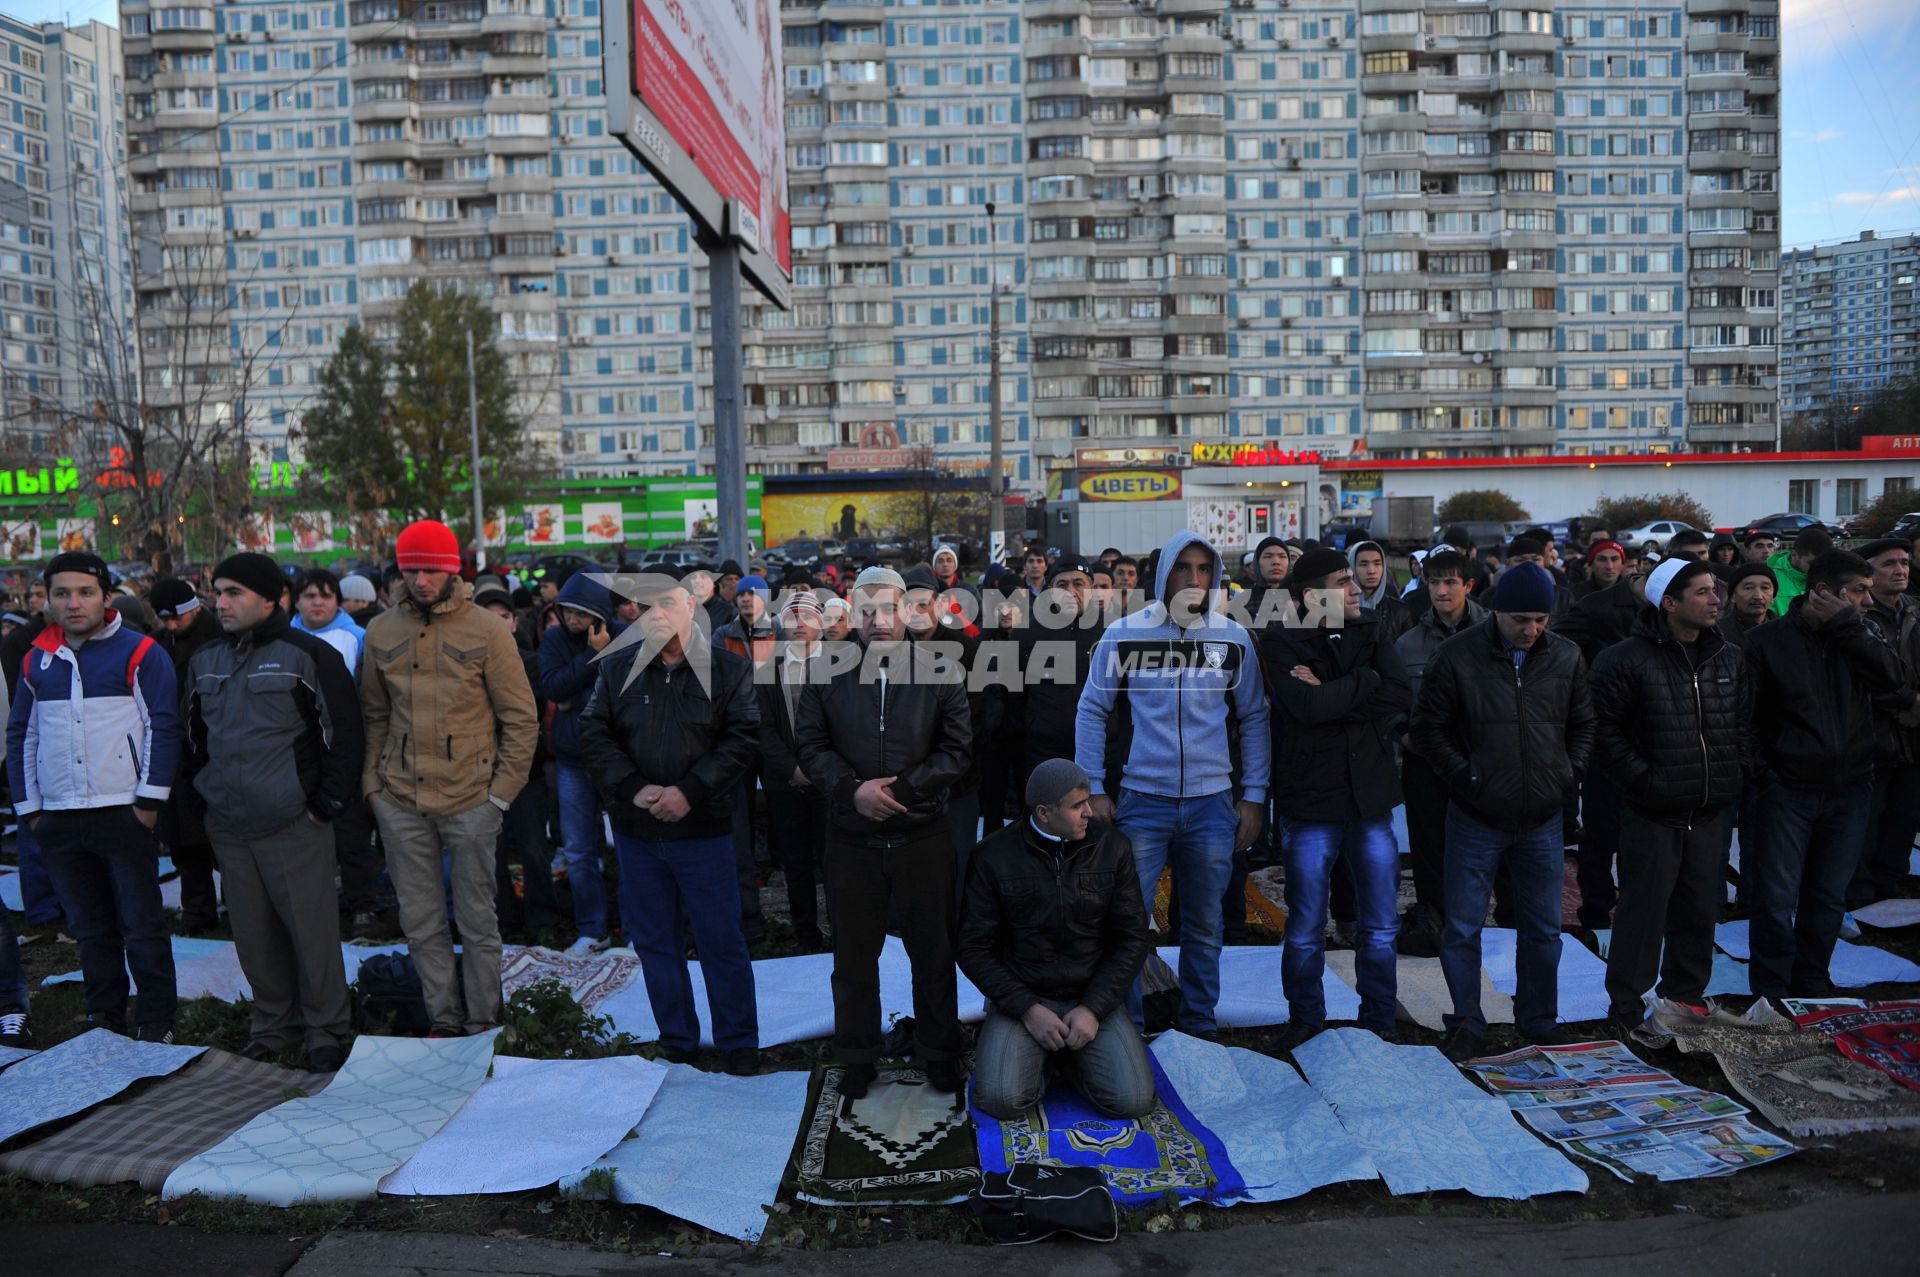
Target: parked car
point(795, 551)
point(1908, 528)
point(1344, 531)
point(1652, 536)
point(1484, 533)
point(861, 549)
point(1788, 526)
point(563, 565)
point(673, 560)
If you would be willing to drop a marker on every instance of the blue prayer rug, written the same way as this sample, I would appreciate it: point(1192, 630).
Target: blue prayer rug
point(1167, 1152)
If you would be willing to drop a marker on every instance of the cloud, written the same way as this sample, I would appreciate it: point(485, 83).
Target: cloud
point(1814, 138)
point(1883, 199)
point(1814, 30)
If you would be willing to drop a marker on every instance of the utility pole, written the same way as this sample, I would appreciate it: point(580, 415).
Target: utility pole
point(473, 430)
point(996, 455)
point(729, 418)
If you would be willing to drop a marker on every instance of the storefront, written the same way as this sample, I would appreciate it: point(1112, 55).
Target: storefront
point(1233, 494)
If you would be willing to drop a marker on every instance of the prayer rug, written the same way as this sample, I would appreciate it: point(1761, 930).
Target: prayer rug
point(144, 1136)
point(591, 981)
point(1167, 1153)
point(1281, 1139)
point(1883, 1035)
point(78, 1074)
point(531, 1124)
point(902, 1144)
point(1424, 1125)
point(1262, 911)
point(387, 1101)
point(1801, 1083)
point(710, 1149)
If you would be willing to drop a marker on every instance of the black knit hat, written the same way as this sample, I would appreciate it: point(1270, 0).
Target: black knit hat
point(1746, 570)
point(256, 572)
point(80, 561)
point(1315, 566)
point(172, 597)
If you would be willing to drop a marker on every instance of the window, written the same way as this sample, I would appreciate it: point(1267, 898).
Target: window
point(1803, 496)
point(1848, 496)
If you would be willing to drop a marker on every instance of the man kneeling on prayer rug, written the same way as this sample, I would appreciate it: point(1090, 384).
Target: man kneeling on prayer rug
point(1053, 930)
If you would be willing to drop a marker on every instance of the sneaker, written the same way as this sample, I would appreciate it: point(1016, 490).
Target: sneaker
point(744, 1062)
point(1849, 929)
point(1461, 1044)
point(161, 1033)
point(14, 1031)
point(856, 1078)
point(111, 1023)
point(1295, 1035)
point(587, 947)
point(325, 1059)
point(944, 1075)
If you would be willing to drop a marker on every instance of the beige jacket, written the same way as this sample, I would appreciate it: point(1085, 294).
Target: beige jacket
point(450, 716)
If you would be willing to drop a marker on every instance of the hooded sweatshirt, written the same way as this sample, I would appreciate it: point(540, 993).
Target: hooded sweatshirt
point(567, 669)
point(343, 634)
point(1792, 582)
point(1182, 686)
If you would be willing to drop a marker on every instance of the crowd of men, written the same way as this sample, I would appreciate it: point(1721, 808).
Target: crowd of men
point(999, 773)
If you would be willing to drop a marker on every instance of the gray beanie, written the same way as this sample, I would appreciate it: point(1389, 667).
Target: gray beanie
point(1053, 780)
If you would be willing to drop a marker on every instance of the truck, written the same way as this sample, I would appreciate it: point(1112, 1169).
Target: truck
point(1402, 523)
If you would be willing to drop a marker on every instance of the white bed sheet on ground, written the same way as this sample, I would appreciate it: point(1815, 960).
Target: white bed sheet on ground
point(1729, 973)
point(10, 892)
point(78, 1074)
point(387, 1101)
point(1888, 914)
point(1583, 976)
point(1250, 992)
point(211, 968)
point(1279, 1134)
point(1425, 1126)
point(531, 1124)
point(710, 1150)
point(1854, 965)
point(793, 997)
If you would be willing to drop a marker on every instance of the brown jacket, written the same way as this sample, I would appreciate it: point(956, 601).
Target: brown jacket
point(450, 716)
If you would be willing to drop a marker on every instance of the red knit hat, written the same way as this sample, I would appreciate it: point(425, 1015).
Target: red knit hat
point(1598, 546)
point(427, 546)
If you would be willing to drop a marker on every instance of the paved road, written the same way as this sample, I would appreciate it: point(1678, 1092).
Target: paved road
point(1856, 1234)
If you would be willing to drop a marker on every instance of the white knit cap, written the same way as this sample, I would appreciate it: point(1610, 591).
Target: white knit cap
point(877, 577)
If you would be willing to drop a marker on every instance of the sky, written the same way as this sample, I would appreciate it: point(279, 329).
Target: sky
point(1850, 102)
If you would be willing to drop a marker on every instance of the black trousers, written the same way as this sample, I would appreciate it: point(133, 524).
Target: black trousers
point(199, 904)
point(917, 877)
point(1426, 796)
point(359, 862)
point(797, 830)
point(1670, 892)
point(1600, 806)
point(746, 870)
point(1891, 828)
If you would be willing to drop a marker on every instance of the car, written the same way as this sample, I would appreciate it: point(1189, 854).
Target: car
point(1652, 536)
point(563, 565)
point(1786, 526)
point(831, 549)
point(1345, 531)
point(861, 549)
point(1908, 528)
point(671, 559)
point(794, 551)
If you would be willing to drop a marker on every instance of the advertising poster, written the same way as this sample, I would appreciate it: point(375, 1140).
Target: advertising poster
point(312, 531)
point(601, 523)
point(703, 517)
point(1358, 488)
point(495, 531)
point(1222, 523)
point(20, 540)
point(544, 525)
point(255, 534)
point(73, 534)
point(903, 516)
point(710, 72)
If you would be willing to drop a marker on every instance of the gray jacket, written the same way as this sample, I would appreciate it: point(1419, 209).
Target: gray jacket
point(1417, 646)
point(273, 727)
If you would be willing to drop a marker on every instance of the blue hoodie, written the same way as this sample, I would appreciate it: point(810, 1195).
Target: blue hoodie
point(336, 633)
point(566, 663)
point(1179, 681)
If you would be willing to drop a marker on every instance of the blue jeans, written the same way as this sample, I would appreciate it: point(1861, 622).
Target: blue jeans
point(13, 977)
point(1197, 836)
point(105, 865)
point(1537, 859)
point(1797, 874)
point(37, 896)
point(580, 847)
point(657, 881)
point(1370, 853)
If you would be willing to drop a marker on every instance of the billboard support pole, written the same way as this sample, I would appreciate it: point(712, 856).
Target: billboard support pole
point(729, 429)
point(996, 454)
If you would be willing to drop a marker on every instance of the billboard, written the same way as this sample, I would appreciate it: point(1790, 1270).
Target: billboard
point(694, 88)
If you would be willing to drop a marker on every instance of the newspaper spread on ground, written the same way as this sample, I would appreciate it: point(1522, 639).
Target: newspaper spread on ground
point(1599, 1101)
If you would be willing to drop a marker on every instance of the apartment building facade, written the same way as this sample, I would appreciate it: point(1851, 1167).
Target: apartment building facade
point(66, 333)
point(1848, 321)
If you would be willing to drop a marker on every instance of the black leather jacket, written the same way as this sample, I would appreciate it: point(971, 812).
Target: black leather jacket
point(1510, 741)
point(1333, 743)
point(1061, 921)
point(912, 725)
point(1812, 690)
point(1673, 722)
point(666, 729)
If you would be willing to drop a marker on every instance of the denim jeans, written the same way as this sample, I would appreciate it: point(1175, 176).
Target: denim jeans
point(13, 976)
point(1538, 860)
point(1112, 1071)
point(1809, 846)
point(105, 865)
point(40, 901)
point(523, 831)
point(658, 880)
point(580, 848)
point(1368, 850)
point(1196, 836)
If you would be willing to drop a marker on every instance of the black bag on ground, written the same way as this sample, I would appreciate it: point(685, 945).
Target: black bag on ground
point(1031, 1203)
point(388, 998)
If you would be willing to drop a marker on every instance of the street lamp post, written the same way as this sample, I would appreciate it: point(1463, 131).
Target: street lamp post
point(996, 454)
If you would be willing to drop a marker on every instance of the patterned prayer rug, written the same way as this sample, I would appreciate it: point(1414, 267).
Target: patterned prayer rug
point(1885, 1035)
point(591, 981)
point(144, 1135)
point(1803, 1085)
point(1169, 1152)
point(903, 1143)
point(1262, 912)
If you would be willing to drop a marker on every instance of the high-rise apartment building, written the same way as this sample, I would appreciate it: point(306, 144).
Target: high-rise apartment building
point(1848, 321)
point(1406, 227)
point(66, 298)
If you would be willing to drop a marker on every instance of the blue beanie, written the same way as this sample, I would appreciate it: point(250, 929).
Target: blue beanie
point(755, 585)
point(1524, 587)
